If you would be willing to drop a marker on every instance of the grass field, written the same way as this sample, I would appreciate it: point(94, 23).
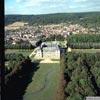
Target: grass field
point(85, 50)
point(55, 59)
point(17, 51)
point(45, 83)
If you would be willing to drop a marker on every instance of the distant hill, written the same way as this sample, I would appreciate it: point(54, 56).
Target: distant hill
point(87, 18)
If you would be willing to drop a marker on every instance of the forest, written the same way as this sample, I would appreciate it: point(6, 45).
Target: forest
point(84, 41)
point(82, 75)
point(17, 75)
point(13, 66)
point(85, 19)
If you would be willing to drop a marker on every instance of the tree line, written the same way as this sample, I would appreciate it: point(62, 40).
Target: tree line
point(18, 74)
point(82, 75)
point(83, 41)
point(85, 19)
point(54, 37)
point(13, 60)
point(21, 45)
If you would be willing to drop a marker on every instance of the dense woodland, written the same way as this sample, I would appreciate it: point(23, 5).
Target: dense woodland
point(14, 62)
point(89, 19)
point(17, 75)
point(82, 75)
point(84, 41)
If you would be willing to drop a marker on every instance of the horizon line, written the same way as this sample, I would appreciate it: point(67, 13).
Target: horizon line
point(57, 13)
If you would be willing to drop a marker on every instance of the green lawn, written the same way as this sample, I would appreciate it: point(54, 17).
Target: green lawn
point(22, 51)
point(55, 59)
point(45, 83)
point(86, 50)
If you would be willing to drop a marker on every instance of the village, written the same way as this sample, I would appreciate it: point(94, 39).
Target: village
point(32, 34)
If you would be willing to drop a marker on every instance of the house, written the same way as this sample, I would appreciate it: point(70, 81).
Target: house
point(50, 49)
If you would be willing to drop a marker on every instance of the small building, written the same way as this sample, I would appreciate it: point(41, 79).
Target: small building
point(51, 50)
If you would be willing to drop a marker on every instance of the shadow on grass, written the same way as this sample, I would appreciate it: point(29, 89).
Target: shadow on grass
point(15, 88)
